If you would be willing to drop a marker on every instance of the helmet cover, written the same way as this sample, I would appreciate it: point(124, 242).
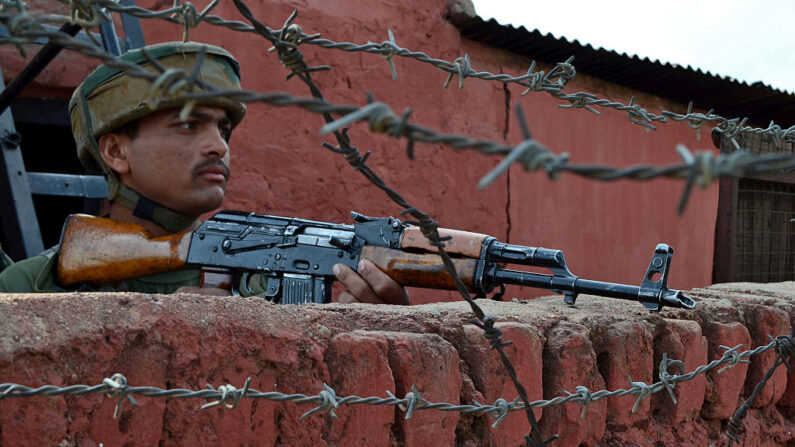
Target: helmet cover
point(108, 98)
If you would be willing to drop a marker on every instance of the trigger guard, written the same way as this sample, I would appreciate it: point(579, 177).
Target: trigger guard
point(244, 279)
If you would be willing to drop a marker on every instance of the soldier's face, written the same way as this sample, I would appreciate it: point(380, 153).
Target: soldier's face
point(182, 164)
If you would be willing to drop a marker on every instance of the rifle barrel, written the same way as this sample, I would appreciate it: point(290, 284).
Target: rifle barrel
point(665, 297)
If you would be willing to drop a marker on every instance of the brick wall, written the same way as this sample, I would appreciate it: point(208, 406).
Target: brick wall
point(189, 341)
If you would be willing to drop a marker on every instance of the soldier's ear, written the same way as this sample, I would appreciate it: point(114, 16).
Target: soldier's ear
point(113, 149)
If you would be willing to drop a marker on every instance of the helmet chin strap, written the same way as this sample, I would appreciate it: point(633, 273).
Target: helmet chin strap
point(148, 209)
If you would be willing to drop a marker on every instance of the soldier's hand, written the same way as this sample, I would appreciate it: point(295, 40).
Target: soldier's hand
point(369, 285)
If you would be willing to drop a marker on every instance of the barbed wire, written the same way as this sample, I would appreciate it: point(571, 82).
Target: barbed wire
point(553, 82)
point(702, 168)
point(327, 400)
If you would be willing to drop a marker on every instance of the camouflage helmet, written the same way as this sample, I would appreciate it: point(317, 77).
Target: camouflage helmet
point(109, 99)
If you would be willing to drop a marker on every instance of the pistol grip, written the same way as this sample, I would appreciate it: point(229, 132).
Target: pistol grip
point(216, 278)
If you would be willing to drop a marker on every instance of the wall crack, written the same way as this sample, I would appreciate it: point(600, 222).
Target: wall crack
point(506, 127)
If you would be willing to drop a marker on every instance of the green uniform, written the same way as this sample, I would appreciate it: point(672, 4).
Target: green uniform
point(37, 274)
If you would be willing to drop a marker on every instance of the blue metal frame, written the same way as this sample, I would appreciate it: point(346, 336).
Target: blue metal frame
point(20, 225)
point(88, 186)
point(134, 34)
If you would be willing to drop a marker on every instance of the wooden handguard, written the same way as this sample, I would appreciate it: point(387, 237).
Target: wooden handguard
point(104, 251)
point(463, 243)
point(420, 270)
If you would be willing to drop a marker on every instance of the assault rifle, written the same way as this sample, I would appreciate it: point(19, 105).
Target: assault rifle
point(295, 258)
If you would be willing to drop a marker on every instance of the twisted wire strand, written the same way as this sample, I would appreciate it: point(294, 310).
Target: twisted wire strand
point(701, 168)
point(552, 82)
point(328, 400)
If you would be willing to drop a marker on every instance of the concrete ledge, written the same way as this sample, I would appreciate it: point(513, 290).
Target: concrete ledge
point(189, 341)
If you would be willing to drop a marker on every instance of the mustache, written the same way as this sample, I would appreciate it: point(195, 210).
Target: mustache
point(212, 164)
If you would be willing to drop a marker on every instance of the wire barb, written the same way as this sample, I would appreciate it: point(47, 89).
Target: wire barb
point(553, 83)
point(117, 385)
point(732, 357)
point(503, 409)
point(391, 50)
point(409, 403)
point(669, 380)
point(705, 169)
point(643, 391)
point(462, 69)
point(230, 396)
point(328, 404)
point(583, 397)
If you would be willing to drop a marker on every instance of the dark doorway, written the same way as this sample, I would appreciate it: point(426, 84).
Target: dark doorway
point(47, 146)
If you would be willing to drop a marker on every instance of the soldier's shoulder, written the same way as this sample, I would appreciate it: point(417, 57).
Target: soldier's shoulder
point(29, 275)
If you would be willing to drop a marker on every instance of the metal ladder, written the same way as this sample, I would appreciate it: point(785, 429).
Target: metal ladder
point(20, 224)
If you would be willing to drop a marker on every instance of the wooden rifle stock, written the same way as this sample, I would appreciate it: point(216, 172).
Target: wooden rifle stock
point(104, 251)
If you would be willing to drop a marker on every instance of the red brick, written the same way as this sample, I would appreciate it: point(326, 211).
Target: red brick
point(680, 340)
point(283, 362)
point(570, 361)
point(720, 401)
point(626, 351)
point(491, 379)
point(631, 436)
point(761, 322)
point(359, 365)
point(19, 415)
point(163, 342)
point(429, 363)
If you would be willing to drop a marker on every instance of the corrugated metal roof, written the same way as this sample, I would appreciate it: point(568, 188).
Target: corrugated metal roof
point(728, 97)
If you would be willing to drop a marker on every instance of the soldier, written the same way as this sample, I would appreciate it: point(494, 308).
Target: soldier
point(164, 171)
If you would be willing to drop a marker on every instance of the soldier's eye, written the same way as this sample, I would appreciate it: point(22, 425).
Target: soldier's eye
point(187, 125)
point(225, 132)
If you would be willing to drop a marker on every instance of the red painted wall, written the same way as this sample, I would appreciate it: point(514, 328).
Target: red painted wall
point(608, 230)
